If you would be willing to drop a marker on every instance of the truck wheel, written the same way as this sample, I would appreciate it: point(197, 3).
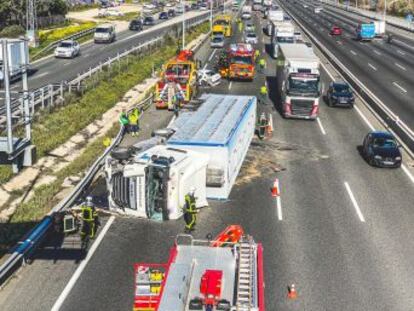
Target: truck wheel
point(223, 305)
point(121, 153)
point(196, 304)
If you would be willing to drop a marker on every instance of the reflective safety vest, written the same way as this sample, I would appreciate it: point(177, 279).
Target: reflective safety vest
point(133, 119)
point(257, 53)
point(262, 62)
point(190, 204)
point(88, 213)
point(263, 90)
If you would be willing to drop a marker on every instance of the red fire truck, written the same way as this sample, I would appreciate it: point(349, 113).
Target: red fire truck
point(238, 62)
point(221, 274)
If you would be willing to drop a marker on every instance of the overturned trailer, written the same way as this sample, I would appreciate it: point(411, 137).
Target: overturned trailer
point(221, 128)
point(203, 149)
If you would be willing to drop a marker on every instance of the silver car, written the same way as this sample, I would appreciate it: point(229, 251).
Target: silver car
point(217, 41)
point(67, 49)
point(250, 37)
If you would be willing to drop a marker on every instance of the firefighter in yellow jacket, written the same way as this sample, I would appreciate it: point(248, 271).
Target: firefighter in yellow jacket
point(190, 211)
point(89, 217)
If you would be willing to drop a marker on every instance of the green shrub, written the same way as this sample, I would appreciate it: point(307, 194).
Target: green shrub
point(47, 36)
point(13, 31)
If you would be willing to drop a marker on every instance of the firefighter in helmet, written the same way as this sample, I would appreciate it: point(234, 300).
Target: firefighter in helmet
point(262, 124)
point(89, 217)
point(190, 210)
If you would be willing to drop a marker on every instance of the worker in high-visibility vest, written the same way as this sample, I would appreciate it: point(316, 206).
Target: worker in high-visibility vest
point(262, 124)
point(262, 64)
point(89, 217)
point(256, 55)
point(263, 94)
point(190, 211)
point(133, 119)
point(240, 25)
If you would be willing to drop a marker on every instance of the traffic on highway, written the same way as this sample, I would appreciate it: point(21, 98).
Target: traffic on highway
point(266, 173)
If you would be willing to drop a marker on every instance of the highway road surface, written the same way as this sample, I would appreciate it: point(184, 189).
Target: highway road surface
point(343, 233)
point(387, 69)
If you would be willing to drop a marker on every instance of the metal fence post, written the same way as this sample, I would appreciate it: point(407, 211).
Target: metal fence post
point(42, 94)
point(51, 95)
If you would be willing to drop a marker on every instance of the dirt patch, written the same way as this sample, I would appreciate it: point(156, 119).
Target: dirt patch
point(266, 157)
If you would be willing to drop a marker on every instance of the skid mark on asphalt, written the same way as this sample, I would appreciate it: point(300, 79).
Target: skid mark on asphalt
point(266, 157)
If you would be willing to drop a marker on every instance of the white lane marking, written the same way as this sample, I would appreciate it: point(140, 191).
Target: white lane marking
point(42, 74)
point(321, 126)
point(212, 54)
point(373, 67)
point(353, 52)
point(59, 302)
point(406, 171)
point(399, 86)
point(372, 128)
point(231, 82)
point(376, 52)
point(279, 208)
point(401, 52)
point(400, 66)
point(354, 202)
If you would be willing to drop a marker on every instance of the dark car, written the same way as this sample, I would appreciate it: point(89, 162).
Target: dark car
point(381, 149)
point(136, 24)
point(194, 6)
point(340, 94)
point(149, 21)
point(163, 15)
point(171, 13)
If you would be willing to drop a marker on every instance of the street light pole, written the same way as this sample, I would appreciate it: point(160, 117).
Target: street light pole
point(211, 15)
point(385, 9)
point(183, 26)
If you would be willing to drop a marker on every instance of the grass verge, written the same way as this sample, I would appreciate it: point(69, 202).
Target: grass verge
point(51, 130)
point(126, 17)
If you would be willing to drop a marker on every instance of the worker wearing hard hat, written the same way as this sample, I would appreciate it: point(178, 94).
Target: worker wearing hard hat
point(262, 64)
point(262, 124)
point(190, 210)
point(89, 218)
point(133, 119)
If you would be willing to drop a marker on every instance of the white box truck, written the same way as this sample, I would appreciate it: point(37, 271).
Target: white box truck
point(221, 128)
point(379, 28)
point(298, 79)
point(273, 16)
point(153, 183)
point(282, 33)
point(16, 50)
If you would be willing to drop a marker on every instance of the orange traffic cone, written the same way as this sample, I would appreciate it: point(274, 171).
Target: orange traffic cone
point(275, 188)
point(292, 294)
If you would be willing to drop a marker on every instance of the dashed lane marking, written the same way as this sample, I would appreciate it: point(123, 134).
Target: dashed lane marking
point(354, 202)
point(372, 67)
point(399, 87)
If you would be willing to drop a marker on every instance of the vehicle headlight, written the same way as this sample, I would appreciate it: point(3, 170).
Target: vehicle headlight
point(397, 158)
point(378, 157)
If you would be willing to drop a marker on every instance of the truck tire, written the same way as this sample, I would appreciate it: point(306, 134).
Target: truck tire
point(223, 305)
point(121, 153)
point(195, 304)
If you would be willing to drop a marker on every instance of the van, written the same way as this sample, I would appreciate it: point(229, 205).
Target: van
point(104, 33)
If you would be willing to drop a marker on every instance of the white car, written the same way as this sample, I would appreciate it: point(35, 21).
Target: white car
point(250, 37)
point(217, 41)
point(67, 49)
point(249, 28)
point(169, 5)
point(207, 77)
point(203, 7)
point(110, 12)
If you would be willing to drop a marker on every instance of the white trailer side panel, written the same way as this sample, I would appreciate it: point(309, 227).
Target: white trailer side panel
point(222, 128)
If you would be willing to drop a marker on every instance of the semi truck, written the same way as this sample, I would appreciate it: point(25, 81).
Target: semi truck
point(365, 32)
point(298, 79)
point(16, 54)
point(202, 148)
point(225, 273)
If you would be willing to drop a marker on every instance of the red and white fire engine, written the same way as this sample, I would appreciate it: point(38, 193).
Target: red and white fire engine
point(238, 62)
point(223, 274)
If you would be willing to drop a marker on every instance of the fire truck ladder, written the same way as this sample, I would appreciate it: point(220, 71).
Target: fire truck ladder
point(246, 299)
